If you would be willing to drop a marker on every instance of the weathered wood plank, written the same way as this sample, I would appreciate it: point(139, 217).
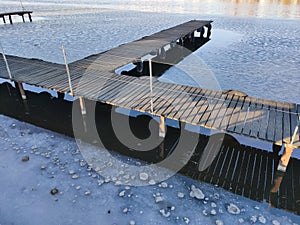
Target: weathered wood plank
point(235, 114)
point(279, 126)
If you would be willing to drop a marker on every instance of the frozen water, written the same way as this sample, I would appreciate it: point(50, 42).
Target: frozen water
point(257, 56)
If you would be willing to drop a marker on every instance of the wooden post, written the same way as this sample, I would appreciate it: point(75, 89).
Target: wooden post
point(82, 105)
point(162, 127)
point(6, 63)
point(29, 16)
point(23, 18)
point(10, 19)
point(151, 89)
point(21, 89)
point(288, 150)
point(68, 71)
point(4, 21)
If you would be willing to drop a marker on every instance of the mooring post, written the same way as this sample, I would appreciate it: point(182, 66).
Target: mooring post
point(10, 19)
point(67, 69)
point(4, 21)
point(29, 16)
point(82, 105)
point(6, 63)
point(21, 89)
point(288, 150)
point(162, 127)
point(151, 89)
point(23, 18)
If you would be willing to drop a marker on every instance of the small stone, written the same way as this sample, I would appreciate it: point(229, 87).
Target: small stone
point(275, 222)
point(75, 176)
point(262, 219)
point(87, 193)
point(127, 188)
point(233, 209)
point(25, 159)
point(43, 167)
point(152, 182)
point(180, 195)
point(164, 185)
point(158, 199)
point(125, 210)
point(165, 213)
point(122, 194)
point(256, 207)
point(186, 220)
point(196, 193)
point(54, 191)
point(204, 212)
point(213, 212)
point(100, 182)
point(241, 220)
point(219, 222)
point(214, 205)
point(132, 222)
point(172, 208)
point(253, 219)
point(144, 176)
point(71, 172)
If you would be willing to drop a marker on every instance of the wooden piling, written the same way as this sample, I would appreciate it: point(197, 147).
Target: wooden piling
point(21, 89)
point(162, 127)
point(82, 105)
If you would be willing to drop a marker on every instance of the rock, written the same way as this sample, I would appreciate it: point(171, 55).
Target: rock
point(43, 167)
point(233, 209)
point(158, 199)
point(164, 185)
point(75, 176)
point(152, 182)
point(186, 220)
point(262, 219)
point(214, 205)
point(275, 222)
point(241, 220)
point(253, 219)
point(125, 210)
point(54, 191)
point(180, 195)
point(219, 222)
point(25, 159)
point(213, 212)
point(71, 172)
point(144, 176)
point(132, 222)
point(165, 213)
point(122, 193)
point(87, 193)
point(196, 193)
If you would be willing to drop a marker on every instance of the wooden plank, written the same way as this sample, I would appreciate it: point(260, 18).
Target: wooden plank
point(249, 173)
point(271, 123)
point(257, 170)
point(229, 163)
point(294, 121)
point(242, 176)
point(262, 180)
point(221, 117)
point(218, 108)
point(178, 103)
point(235, 114)
point(190, 114)
point(250, 118)
point(279, 126)
point(243, 115)
point(287, 132)
point(258, 115)
point(200, 108)
point(212, 103)
point(264, 120)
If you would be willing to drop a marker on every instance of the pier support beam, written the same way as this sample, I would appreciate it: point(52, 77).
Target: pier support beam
point(21, 89)
point(10, 19)
point(285, 158)
point(29, 16)
point(162, 127)
point(82, 105)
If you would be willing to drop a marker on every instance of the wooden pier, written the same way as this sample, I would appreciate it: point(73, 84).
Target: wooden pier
point(18, 13)
point(94, 78)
